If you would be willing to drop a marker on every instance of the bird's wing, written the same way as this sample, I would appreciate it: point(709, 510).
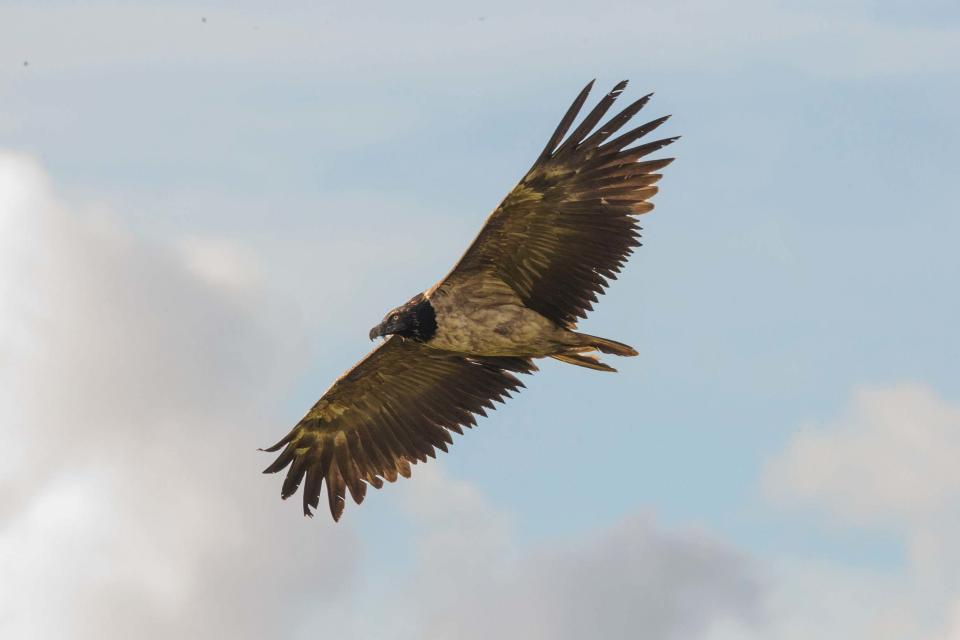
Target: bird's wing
point(390, 410)
point(570, 224)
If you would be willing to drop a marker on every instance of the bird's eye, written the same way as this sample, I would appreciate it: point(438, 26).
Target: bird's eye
point(396, 316)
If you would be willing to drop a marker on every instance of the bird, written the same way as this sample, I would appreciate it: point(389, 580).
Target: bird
point(516, 295)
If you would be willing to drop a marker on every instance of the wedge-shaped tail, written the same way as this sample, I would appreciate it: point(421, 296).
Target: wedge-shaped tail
point(603, 345)
point(575, 355)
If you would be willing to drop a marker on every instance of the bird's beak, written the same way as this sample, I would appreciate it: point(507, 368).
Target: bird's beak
point(375, 332)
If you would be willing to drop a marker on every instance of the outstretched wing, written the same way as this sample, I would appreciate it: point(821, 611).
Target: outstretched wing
point(570, 224)
point(389, 411)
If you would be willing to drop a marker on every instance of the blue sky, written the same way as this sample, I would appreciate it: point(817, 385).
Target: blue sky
point(206, 204)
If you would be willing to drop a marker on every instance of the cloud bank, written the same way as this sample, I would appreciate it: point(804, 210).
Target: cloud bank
point(886, 464)
point(129, 388)
point(632, 580)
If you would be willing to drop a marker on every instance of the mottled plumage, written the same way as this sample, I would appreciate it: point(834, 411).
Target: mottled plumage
point(517, 294)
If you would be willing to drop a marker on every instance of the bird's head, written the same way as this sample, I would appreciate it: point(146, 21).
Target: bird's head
point(415, 320)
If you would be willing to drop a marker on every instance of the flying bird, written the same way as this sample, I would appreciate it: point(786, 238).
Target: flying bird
point(535, 269)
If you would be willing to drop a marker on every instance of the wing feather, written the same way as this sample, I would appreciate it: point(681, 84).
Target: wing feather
point(394, 408)
point(569, 226)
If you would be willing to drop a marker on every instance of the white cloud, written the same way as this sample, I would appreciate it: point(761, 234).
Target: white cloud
point(633, 580)
point(891, 459)
point(888, 462)
point(952, 631)
point(131, 399)
point(222, 263)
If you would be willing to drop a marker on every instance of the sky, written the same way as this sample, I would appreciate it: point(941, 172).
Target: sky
point(205, 206)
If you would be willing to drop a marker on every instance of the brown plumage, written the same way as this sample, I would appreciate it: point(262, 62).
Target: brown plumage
point(393, 409)
point(517, 293)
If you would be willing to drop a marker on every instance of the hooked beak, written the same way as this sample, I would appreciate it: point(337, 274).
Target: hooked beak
point(376, 332)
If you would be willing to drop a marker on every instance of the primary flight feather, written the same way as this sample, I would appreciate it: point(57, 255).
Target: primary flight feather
point(517, 294)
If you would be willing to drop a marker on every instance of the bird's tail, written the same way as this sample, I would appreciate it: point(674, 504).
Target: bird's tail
point(607, 346)
point(575, 354)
